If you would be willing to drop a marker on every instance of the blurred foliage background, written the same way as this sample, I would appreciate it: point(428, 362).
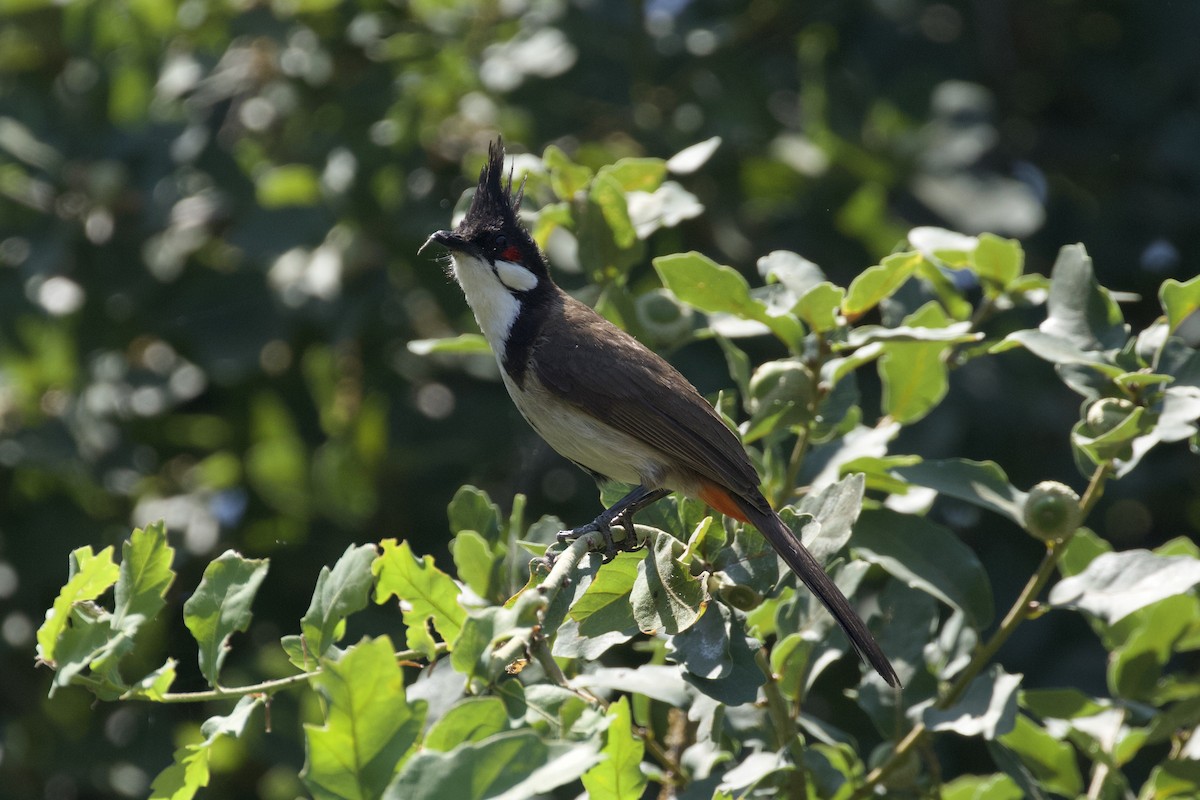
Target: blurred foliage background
point(209, 217)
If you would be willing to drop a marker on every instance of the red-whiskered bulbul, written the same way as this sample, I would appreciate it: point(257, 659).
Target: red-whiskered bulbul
point(605, 401)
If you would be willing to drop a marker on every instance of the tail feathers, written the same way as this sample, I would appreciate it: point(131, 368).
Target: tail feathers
point(811, 573)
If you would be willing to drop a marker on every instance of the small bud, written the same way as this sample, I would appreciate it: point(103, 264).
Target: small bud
point(1107, 413)
point(1052, 511)
point(663, 316)
point(743, 598)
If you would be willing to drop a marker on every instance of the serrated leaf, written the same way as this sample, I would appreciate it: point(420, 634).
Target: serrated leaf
point(928, 557)
point(988, 708)
point(875, 283)
point(1179, 300)
point(471, 720)
point(981, 483)
point(508, 766)
point(463, 344)
point(339, 593)
point(1114, 585)
point(430, 593)
point(369, 725)
point(220, 607)
point(144, 578)
point(89, 577)
point(1050, 761)
point(88, 640)
point(666, 596)
point(189, 772)
point(619, 775)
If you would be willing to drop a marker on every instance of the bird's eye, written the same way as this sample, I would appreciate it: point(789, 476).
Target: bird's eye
point(501, 241)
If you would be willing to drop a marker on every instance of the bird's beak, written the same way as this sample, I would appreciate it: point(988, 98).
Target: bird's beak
point(447, 239)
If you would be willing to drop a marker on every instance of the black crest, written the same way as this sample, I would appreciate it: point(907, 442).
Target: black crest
point(493, 206)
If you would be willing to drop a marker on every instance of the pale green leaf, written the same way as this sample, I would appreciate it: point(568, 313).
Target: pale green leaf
point(981, 483)
point(1115, 585)
point(875, 283)
point(1179, 300)
point(472, 510)
point(189, 772)
point(819, 306)
point(928, 557)
point(998, 261)
point(1051, 762)
point(220, 607)
point(339, 593)
point(471, 720)
point(508, 766)
point(988, 708)
point(666, 596)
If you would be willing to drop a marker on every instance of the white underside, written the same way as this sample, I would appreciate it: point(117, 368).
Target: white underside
point(572, 432)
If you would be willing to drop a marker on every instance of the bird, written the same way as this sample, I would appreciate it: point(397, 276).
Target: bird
point(605, 401)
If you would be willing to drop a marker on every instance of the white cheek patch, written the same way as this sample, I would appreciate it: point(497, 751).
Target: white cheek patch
point(494, 306)
point(515, 277)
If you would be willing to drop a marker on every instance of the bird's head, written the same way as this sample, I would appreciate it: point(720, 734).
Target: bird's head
point(490, 250)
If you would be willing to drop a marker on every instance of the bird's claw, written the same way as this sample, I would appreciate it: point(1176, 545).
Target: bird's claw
point(611, 547)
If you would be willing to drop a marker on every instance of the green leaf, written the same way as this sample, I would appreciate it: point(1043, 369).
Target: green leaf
point(1147, 641)
point(819, 306)
point(711, 287)
point(288, 185)
point(369, 725)
point(636, 174)
point(89, 640)
point(189, 772)
point(619, 776)
point(477, 564)
point(429, 593)
point(339, 593)
point(605, 605)
point(981, 483)
point(1179, 300)
point(987, 709)
point(566, 177)
point(221, 606)
point(834, 511)
point(982, 787)
point(703, 649)
point(927, 557)
point(915, 377)
point(145, 576)
point(463, 344)
point(1174, 777)
point(89, 577)
point(998, 261)
point(1057, 350)
point(609, 197)
point(513, 766)
point(666, 596)
point(1080, 551)
point(878, 282)
point(740, 683)
point(472, 510)
point(471, 720)
point(155, 684)
point(781, 396)
point(1050, 761)
point(1114, 585)
point(1078, 309)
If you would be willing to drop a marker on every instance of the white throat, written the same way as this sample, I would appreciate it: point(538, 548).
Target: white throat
point(488, 295)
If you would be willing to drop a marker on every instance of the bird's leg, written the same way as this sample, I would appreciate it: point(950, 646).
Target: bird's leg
point(620, 513)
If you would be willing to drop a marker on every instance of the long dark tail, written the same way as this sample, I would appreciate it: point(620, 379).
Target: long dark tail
point(803, 564)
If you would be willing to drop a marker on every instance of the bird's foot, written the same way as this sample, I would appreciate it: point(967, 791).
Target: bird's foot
point(604, 526)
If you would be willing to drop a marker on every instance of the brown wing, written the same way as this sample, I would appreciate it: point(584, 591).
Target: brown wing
point(608, 373)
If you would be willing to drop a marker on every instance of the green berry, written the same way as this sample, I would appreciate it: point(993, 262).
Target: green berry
point(1052, 511)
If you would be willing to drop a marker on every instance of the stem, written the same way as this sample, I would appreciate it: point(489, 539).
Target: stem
point(231, 692)
point(1017, 613)
point(785, 728)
